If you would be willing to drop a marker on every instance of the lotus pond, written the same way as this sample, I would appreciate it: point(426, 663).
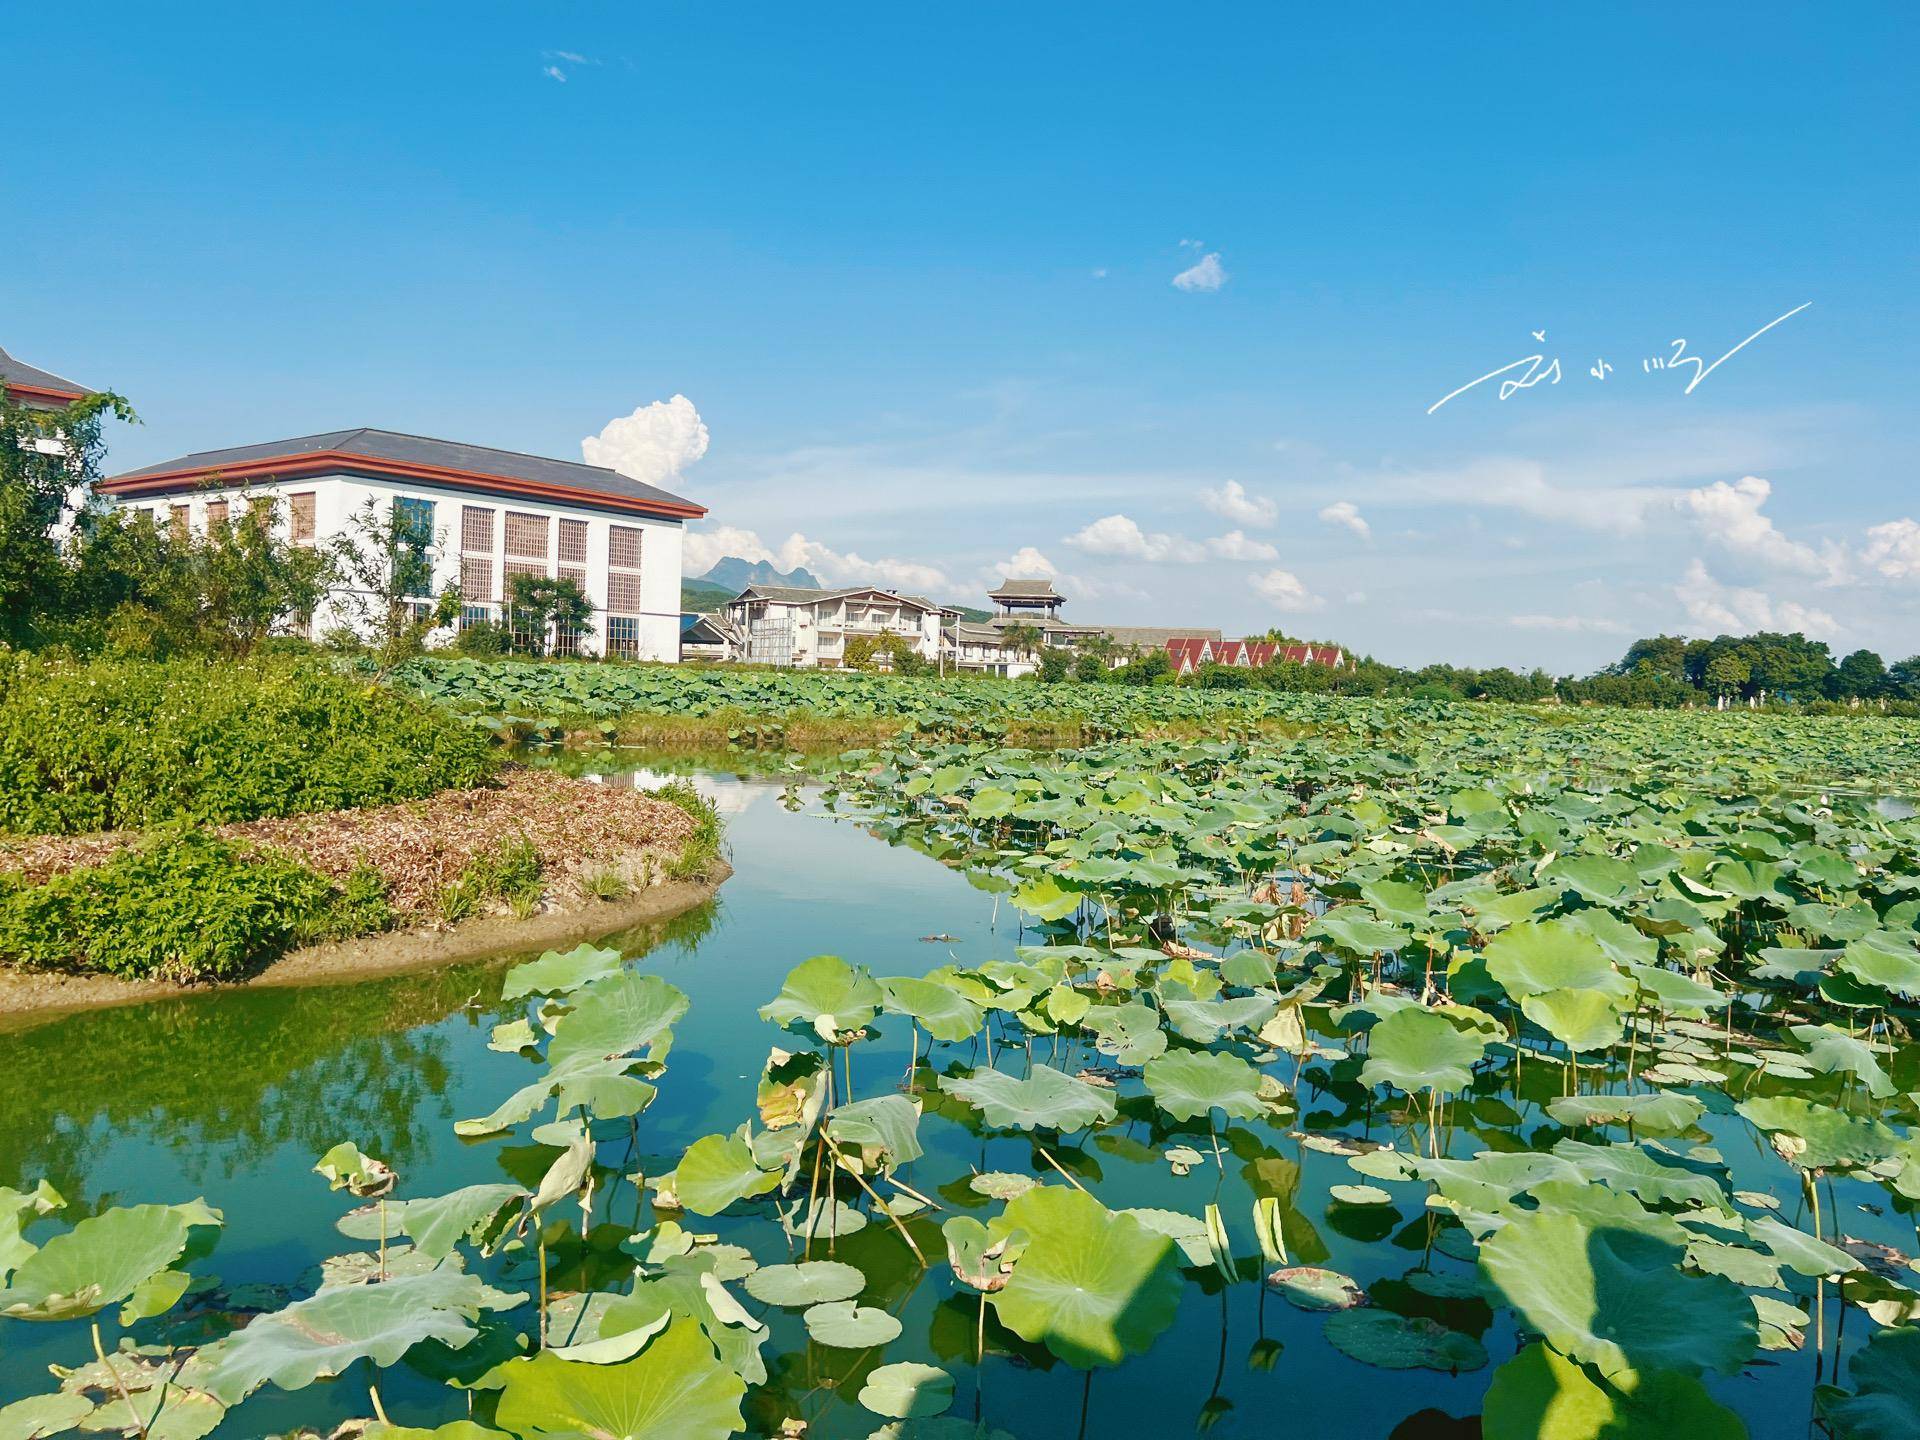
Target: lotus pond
point(1395, 1080)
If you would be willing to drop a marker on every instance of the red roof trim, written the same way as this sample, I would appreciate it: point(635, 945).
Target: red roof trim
point(42, 392)
point(332, 462)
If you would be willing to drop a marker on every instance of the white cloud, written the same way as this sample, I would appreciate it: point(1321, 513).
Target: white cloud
point(1284, 591)
point(1729, 515)
point(1893, 549)
point(1026, 563)
point(572, 57)
point(1235, 545)
point(1568, 624)
point(1232, 502)
point(554, 72)
point(1345, 512)
point(703, 548)
point(1207, 274)
point(653, 444)
point(1121, 536)
point(1099, 272)
point(1713, 607)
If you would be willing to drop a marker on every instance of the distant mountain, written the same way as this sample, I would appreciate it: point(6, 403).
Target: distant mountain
point(703, 597)
point(736, 574)
point(973, 616)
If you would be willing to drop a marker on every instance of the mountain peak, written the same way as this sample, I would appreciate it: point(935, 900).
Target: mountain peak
point(737, 573)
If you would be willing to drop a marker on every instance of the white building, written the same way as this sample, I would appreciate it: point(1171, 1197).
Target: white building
point(484, 515)
point(792, 625)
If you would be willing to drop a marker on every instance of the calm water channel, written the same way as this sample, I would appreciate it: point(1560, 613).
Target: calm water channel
point(233, 1096)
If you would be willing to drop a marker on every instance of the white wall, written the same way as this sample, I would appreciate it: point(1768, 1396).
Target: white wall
point(337, 498)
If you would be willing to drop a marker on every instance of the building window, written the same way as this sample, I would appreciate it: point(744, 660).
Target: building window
point(566, 639)
point(260, 510)
point(181, 522)
point(623, 569)
point(476, 553)
point(527, 537)
point(300, 517)
point(573, 542)
point(471, 615)
point(420, 612)
point(412, 544)
point(216, 515)
point(623, 637)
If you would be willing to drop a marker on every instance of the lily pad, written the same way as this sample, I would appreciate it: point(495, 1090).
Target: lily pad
point(1312, 1288)
point(718, 1170)
point(1414, 1050)
point(811, 1282)
point(847, 1326)
point(1402, 1342)
point(1044, 1100)
point(673, 1390)
point(1189, 1083)
point(907, 1390)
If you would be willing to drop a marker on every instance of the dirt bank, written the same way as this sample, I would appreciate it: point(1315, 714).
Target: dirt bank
point(32, 996)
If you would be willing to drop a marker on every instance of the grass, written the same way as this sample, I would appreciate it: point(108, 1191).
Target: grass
point(706, 845)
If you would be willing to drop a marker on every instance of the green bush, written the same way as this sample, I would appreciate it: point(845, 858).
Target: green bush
point(109, 744)
point(511, 871)
point(707, 842)
point(185, 906)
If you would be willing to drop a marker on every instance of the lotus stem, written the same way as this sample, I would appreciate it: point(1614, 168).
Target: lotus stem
point(541, 1243)
point(898, 1224)
point(379, 1410)
point(980, 1333)
point(119, 1385)
point(1062, 1169)
point(382, 1203)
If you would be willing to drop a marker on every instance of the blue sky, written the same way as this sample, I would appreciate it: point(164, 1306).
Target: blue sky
point(913, 270)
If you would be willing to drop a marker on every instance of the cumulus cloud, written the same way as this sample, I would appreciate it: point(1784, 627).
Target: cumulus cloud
point(1716, 608)
point(1205, 275)
point(703, 548)
point(1237, 545)
point(1347, 514)
point(653, 444)
point(1893, 549)
point(1729, 515)
point(554, 72)
point(1284, 591)
point(1232, 502)
point(1026, 563)
point(1122, 537)
point(1568, 624)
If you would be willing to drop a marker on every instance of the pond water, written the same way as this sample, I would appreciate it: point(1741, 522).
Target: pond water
point(233, 1096)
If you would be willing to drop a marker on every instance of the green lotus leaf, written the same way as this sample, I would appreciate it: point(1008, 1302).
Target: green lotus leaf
point(1581, 1020)
point(1885, 1403)
point(1359, 1195)
point(557, 974)
point(675, 1389)
point(618, 1015)
point(1832, 1051)
point(823, 1219)
point(1598, 878)
point(1188, 1232)
point(103, 1260)
point(1540, 955)
point(452, 1430)
point(718, 1170)
point(437, 1223)
point(1045, 1100)
point(825, 996)
point(1885, 959)
point(1622, 943)
point(1402, 1342)
point(39, 1415)
point(940, 1010)
point(19, 1208)
point(885, 1126)
point(1130, 1033)
point(1001, 1184)
point(1539, 1395)
point(1617, 1298)
point(1046, 899)
point(1205, 1021)
point(811, 1282)
point(1414, 1050)
point(1352, 929)
point(323, 1335)
point(1798, 1251)
point(1676, 993)
point(1635, 1170)
point(907, 1390)
point(1091, 1285)
point(1818, 1137)
point(1189, 1083)
point(848, 1326)
point(1659, 1113)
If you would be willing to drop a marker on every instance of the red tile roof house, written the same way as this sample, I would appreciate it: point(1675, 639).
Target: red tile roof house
point(1188, 655)
point(484, 515)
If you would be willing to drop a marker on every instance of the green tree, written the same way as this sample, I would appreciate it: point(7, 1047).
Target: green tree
point(1025, 638)
point(49, 460)
point(1860, 676)
point(1727, 674)
point(383, 565)
point(1903, 679)
point(540, 608)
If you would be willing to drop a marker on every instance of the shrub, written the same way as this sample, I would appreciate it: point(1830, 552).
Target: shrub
point(704, 846)
point(186, 906)
point(110, 744)
point(359, 907)
point(511, 871)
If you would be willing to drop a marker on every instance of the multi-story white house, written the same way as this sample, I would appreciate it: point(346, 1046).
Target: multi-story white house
point(793, 625)
point(483, 516)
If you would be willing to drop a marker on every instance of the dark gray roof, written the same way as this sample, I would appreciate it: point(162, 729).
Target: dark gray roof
point(18, 372)
point(377, 445)
point(1153, 637)
point(1029, 589)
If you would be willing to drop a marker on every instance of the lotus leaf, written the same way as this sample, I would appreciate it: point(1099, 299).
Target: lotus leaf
point(1885, 1403)
point(1130, 1033)
point(940, 1010)
point(1190, 1083)
point(1617, 1298)
point(39, 1415)
point(1415, 1050)
point(675, 1389)
point(1540, 955)
point(718, 1170)
point(1539, 1395)
point(1401, 1342)
point(1092, 1286)
point(811, 1282)
point(1886, 960)
point(1045, 1100)
point(1312, 1288)
point(825, 996)
point(907, 1390)
point(848, 1326)
point(618, 1015)
point(557, 974)
point(886, 1126)
point(438, 1222)
point(1818, 1137)
point(103, 1259)
point(1581, 1020)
